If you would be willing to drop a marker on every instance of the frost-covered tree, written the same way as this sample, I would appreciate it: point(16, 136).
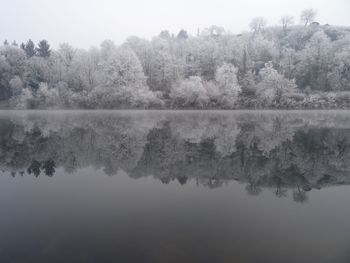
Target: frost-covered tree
point(12, 65)
point(62, 60)
point(339, 77)
point(85, 67)
point(16, 85)
point(233, 49)
point(66, 54)
point(122, 74)
point(213, 31)
point(260, 51)
point(16, 59)
point(5, 92)
point(164, 34)
point(288, 61)
point(273, 85)
point(121, 68)
point(162, 67)
point(314, 63)
point(190, 93)
point(248, 83)
point(229, 89)
point(24, 100)
point(43, 97)
point(144, 51)
point(202, 57)
point(47, 97)
point(37, 70)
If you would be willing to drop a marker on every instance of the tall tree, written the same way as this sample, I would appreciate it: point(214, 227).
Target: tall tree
point(226, 80)
point(43, 49)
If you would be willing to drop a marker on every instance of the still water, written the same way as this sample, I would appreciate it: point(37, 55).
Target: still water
point(134, 186)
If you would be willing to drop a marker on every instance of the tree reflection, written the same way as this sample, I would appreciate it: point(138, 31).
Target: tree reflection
point(48, 167)
point(34, 168)
point(299, 196)
point(282, 152)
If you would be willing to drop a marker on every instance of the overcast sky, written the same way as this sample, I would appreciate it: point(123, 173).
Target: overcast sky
point(85, 23)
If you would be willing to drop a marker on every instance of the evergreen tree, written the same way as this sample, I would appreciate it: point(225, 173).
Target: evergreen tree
point(29, 48)
point(43, 49)
point(182, 34)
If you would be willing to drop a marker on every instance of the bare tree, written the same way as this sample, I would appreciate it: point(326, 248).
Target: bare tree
point(286, 21)
point(258, 24)
point(308, 16)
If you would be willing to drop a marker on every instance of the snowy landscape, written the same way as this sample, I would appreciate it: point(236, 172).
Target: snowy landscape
point(295, 65)
point(180, 131)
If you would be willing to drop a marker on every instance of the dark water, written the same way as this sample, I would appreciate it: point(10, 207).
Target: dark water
point(175, 187)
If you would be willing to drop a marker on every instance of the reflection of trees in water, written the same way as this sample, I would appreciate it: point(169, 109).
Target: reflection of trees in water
point(47, 167)
point(298, 151)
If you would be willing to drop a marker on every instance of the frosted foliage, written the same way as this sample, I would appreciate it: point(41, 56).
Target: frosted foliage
point(190, 92)
point(286, 66)
point(16, 85)
point(46, 96)
point(21, 102)
point(273, 84)
point(122, 68)
point(229, 89)
point(340, 75)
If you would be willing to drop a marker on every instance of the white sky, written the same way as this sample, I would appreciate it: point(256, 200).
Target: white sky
point(84, 23)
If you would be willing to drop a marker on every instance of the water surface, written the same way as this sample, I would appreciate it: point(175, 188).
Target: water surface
point(212, 186)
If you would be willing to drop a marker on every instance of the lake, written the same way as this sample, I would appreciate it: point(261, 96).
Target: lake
point(185, 186)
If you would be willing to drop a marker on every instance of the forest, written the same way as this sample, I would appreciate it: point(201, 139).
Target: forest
point(302, 65)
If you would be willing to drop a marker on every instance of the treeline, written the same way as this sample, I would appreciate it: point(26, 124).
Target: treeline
point(286, 66)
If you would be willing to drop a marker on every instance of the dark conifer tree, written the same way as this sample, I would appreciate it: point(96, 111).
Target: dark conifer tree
point(29, 48)
point(43, 49)
point(182, 34)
